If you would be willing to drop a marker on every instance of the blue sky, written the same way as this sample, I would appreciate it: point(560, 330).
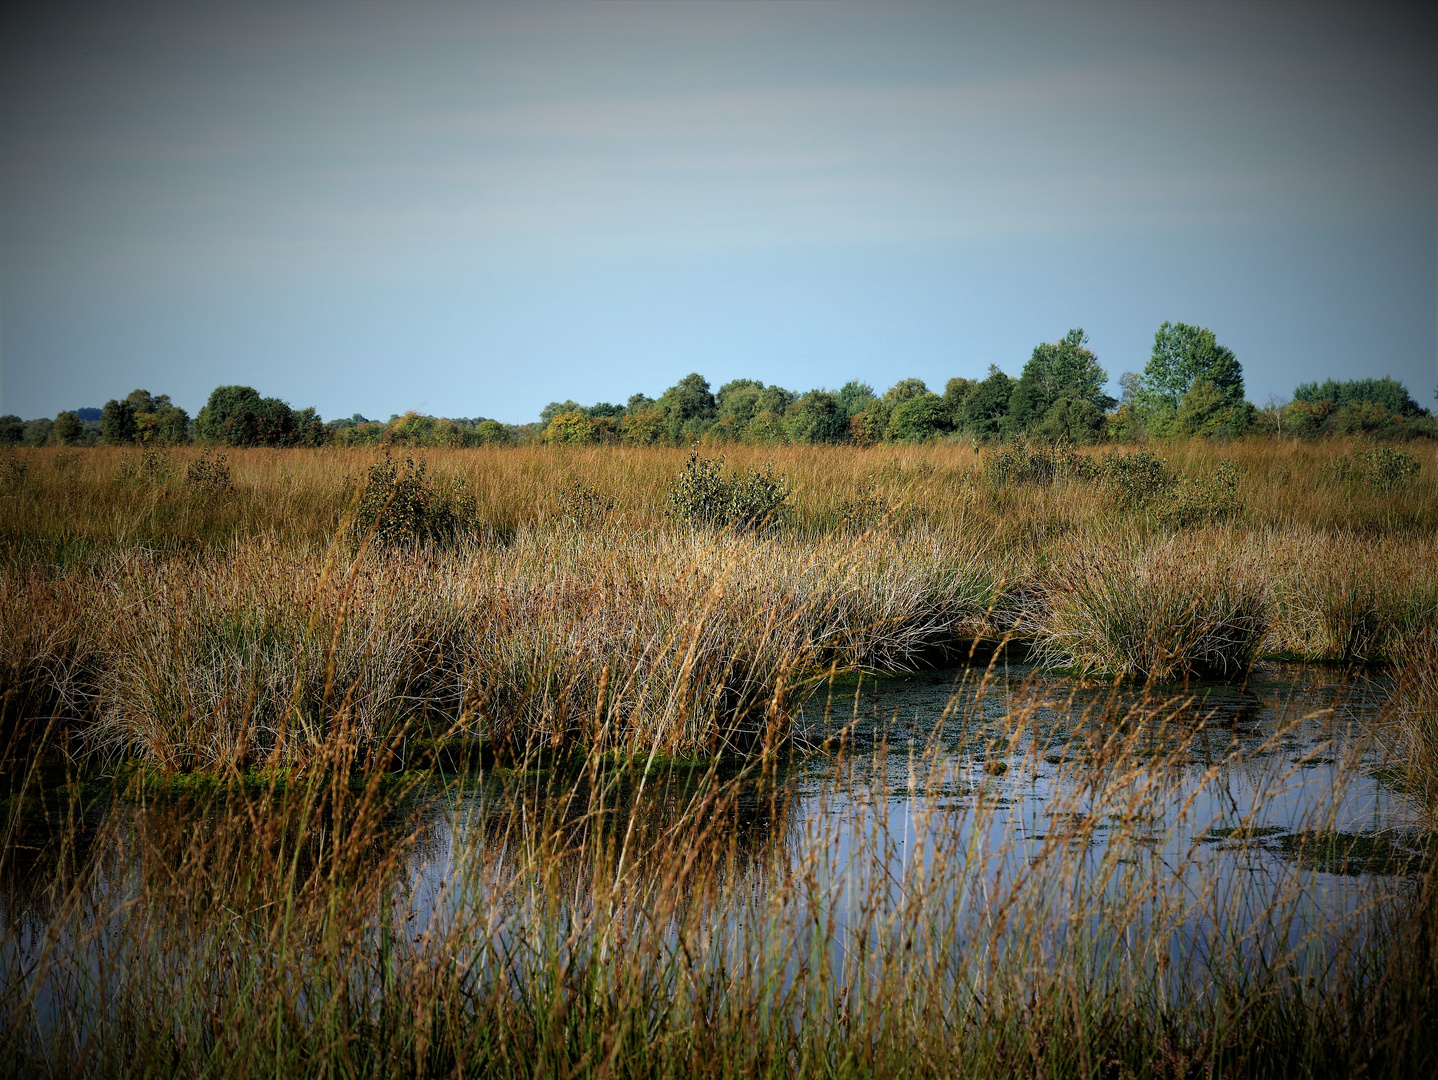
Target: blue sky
point(474, 209)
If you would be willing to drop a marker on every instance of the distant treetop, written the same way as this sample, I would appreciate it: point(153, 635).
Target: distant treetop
point(1390, 393)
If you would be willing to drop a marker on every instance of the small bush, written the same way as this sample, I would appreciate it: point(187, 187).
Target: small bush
point(210, 474)
point(151, 466)
point(864, 509)
point(13, 475)
point(1037, 465)
point(1142, 481)
point(1135, 480)
point(1202, 502)
point(582, 507)
point(704, 495)
point(1385, 469)
point(401, 506)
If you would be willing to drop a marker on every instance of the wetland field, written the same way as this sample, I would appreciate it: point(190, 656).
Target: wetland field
point(936, 760)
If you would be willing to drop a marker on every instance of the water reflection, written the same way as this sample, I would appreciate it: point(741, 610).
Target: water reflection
point(965, 818)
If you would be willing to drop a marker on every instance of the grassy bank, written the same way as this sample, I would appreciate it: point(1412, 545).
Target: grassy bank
point(201, 620)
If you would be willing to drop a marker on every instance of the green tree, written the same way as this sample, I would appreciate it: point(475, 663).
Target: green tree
point(1181, 355)
point(37, 431)
point(1206, 410)
point(310, 430)
point(817, 417)
point(855, 397)
point(12, 429)
point(554, 408)
point(571, 428)
point(919, 418)
point(640, 403)
point(644, 427)
point(1063, 369)
point(956, 392)
point(688, 408)
point(142, 401)
point(67, 430)
point(225, 403)
point(738, 398)
point(1072, 421)
point(905, 390)
point(983, 410)
point(741, 400)
point(117, 423)
point(492, 433)
point(164, 422)
point(1390, 393)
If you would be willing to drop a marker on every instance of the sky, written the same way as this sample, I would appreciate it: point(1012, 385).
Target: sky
point(472, 209)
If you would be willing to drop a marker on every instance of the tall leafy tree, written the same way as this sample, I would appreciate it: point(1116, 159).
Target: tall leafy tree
point(1388, 392)
point(67, 429)
point(1183, 354)
point(982, 410)
point(117, 423)
point(919, 418)
point(688, 407)
point(855, 397)
point(1061, 371)
point(225, 404)
point(817, 417)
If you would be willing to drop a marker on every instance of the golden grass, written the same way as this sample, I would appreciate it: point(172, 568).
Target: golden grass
point(197, 629)
point(595, 923)
point(595, 903)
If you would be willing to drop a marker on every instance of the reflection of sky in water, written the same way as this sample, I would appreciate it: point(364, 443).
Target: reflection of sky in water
point(1020, 807)
point(1211, 826)
point(941, 794)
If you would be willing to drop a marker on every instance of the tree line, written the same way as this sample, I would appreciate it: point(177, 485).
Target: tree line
point(1191, 386)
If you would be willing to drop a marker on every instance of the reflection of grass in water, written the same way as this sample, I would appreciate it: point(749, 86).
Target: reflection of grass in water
point(1241, 832)
point(1333, 852)
point(595, 922)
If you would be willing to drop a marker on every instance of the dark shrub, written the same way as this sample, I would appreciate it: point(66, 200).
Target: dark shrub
point(704, 495)
point(403, 506)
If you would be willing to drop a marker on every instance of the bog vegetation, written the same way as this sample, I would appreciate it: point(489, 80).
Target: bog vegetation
point(240, 682)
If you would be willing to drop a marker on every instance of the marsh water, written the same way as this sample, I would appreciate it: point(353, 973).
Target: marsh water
point(1265, 813)
point(1266, 810)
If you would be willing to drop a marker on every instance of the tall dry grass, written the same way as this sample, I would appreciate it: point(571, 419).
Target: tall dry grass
point(197, 628)
point(606, 898)
point(594, 924)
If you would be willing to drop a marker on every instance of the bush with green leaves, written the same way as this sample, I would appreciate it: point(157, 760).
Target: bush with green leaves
point(13, 474)
point(1135, 480)
point(1039, 464)
point(582, 507)
point(1385, 469)
point(1142, 482)
point(705, 495)
point(1204, 501)
point(401, 506)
